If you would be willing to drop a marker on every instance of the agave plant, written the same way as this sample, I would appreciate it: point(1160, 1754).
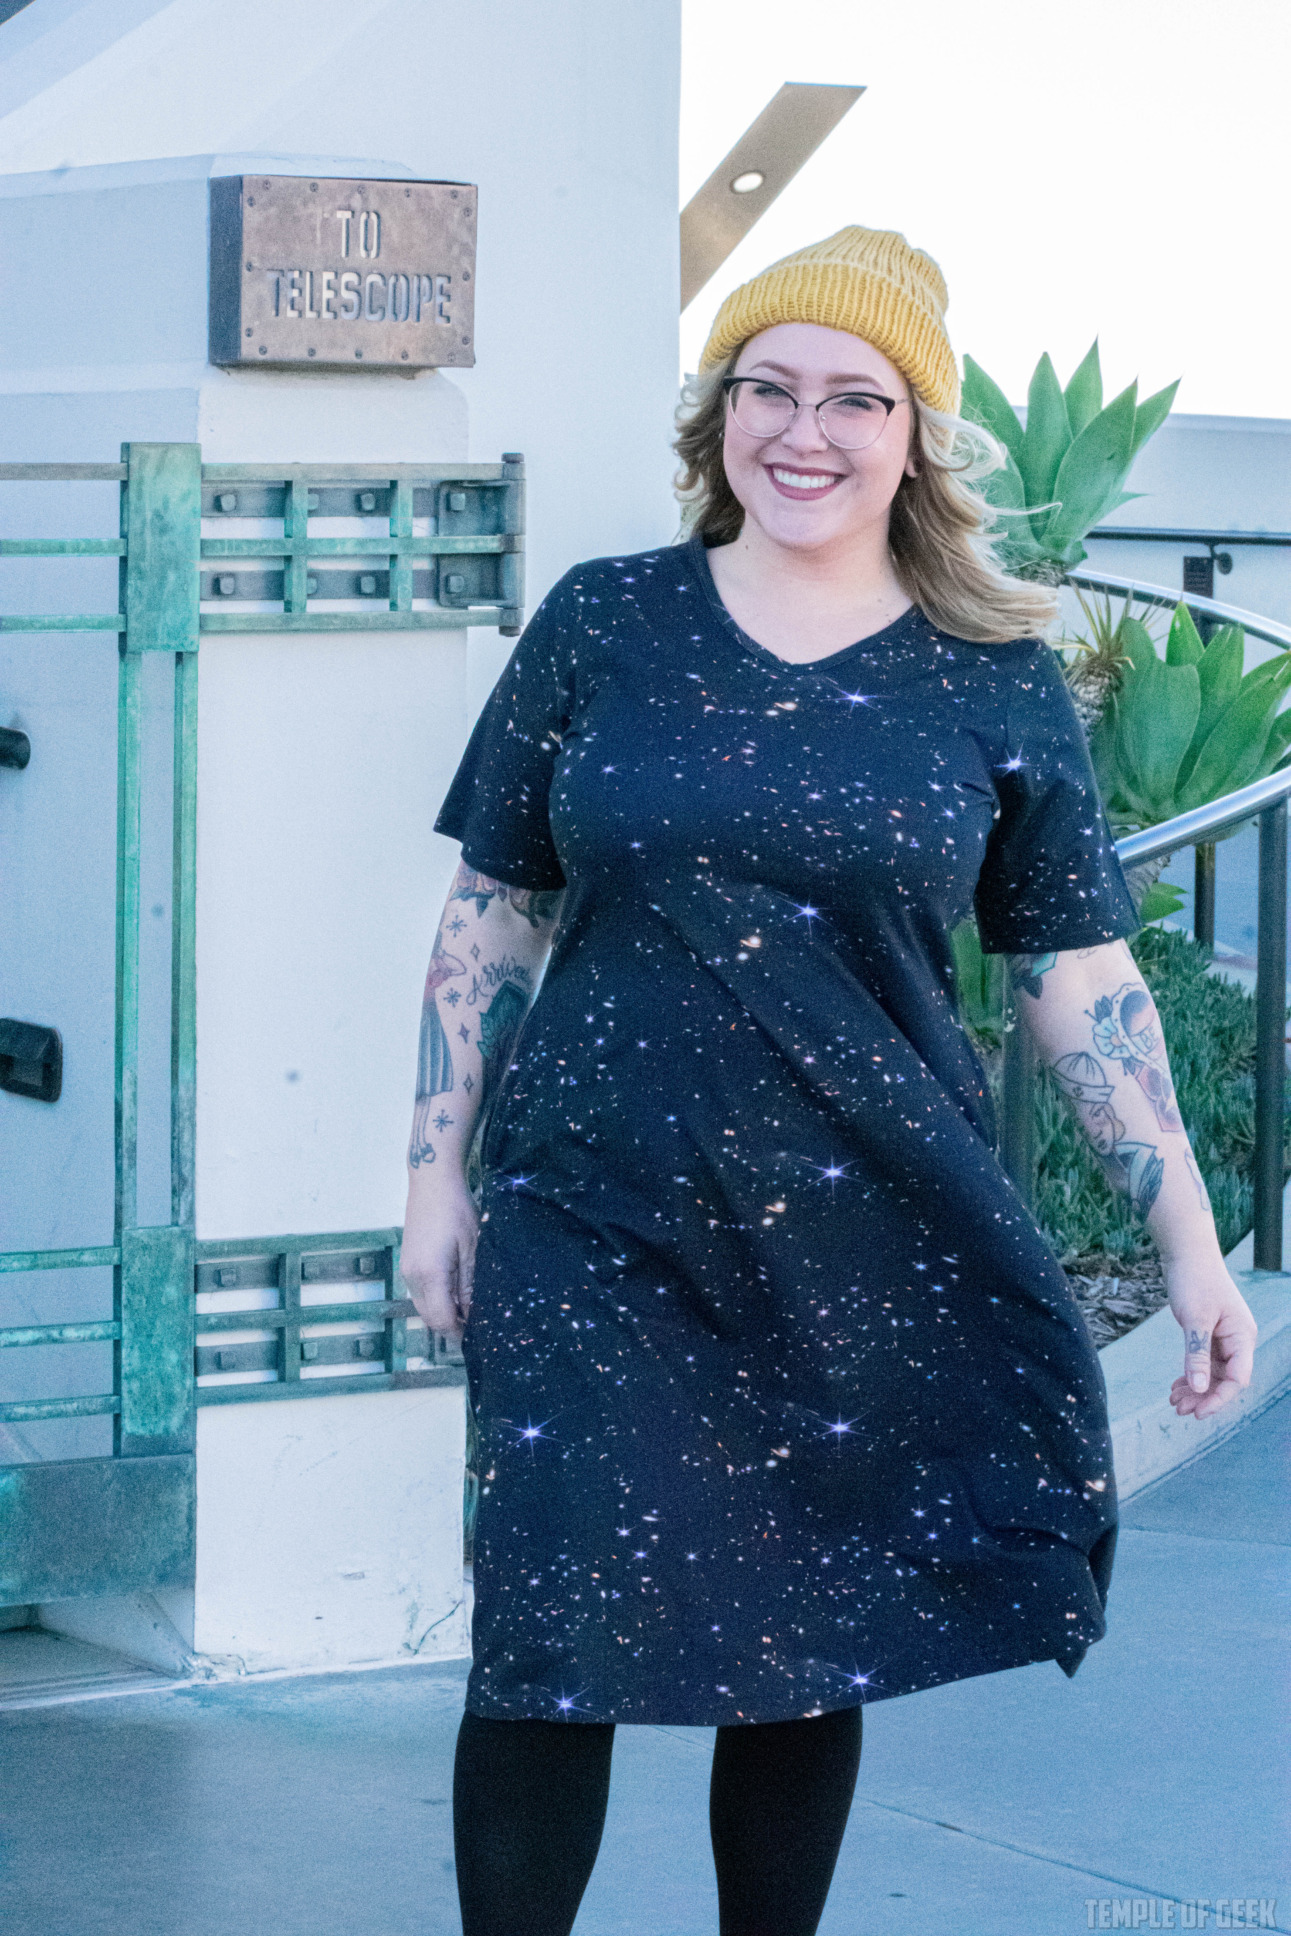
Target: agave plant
point(1180, 731)
point(1183, 730)
point(1097, 656)
point(1066, 471)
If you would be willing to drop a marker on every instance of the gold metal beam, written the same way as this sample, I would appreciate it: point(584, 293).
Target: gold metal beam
point(763, 161)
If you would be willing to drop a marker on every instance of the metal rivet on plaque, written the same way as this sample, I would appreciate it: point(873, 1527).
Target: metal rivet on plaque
point(227, 500)
point(457, 500)
point(367, 500)
point(226, 586)
point(309, 1349)
point(368, 585)
point(367, 1265)
point(313, 352)
point(226, 1276)
point(358, 353)
point(311, 586)
point(264, 349)
point(455, 582)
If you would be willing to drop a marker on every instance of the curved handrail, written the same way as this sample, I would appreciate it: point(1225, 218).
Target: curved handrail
point(1186, 829)
point(1250, 622)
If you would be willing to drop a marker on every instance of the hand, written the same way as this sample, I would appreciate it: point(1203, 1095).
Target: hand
point(1219, 1335)
point(437, 1261)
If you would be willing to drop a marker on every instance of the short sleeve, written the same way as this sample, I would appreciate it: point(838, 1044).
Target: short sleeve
point(497, 805)
point(1050, 877)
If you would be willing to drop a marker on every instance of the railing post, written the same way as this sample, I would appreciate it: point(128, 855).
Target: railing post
point(1017, 1107)
point(161, 504)
point(1203, 895)
point(1270, 1037)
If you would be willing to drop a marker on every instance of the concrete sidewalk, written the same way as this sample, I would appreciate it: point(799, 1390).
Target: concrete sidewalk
point(1000, 1806)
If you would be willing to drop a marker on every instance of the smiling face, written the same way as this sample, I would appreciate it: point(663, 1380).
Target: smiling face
point(801, 491)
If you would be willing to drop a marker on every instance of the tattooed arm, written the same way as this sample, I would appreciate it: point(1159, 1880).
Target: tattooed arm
point(1095, 1024)
point(492, 942)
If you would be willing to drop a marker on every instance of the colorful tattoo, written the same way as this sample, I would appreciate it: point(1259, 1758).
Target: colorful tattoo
point(1135, 1168)
point(1028, 972)
point(499, 1027)
point(434, 1057)
point(535, 903)
point(1127, 1028)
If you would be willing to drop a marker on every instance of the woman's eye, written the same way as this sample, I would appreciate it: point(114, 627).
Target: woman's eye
point(767, 390)
point(859, 403)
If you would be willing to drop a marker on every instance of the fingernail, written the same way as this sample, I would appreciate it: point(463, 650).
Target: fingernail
point(1199, 1381)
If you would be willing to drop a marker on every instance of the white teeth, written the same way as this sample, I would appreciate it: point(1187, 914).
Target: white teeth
point(798, 481)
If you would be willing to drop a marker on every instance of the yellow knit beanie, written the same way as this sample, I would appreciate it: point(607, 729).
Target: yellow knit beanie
point(869, 282)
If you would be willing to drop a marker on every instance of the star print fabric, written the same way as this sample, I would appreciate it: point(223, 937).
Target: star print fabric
point(784, 1401)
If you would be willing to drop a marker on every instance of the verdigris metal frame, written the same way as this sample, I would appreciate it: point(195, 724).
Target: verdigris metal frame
point(75, 1527)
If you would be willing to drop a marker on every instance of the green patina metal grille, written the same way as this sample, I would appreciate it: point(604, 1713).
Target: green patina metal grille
point(112, 1525)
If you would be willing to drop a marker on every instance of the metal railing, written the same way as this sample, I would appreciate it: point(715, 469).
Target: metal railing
point(1265, 800)
point(1255, 626)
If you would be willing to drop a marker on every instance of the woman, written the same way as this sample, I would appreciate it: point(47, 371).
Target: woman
point(784, 1402)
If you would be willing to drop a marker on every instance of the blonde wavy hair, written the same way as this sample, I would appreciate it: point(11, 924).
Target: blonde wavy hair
point(940, 530)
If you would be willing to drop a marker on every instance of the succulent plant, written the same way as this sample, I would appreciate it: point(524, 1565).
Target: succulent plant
point(1182, 730)
point(1066, 471)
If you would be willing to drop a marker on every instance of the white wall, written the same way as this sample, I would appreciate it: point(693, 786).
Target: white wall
point(565, 114)
point(1211, 474)
point(322, 760)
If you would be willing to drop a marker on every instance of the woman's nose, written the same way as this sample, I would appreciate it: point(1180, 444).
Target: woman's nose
point(804, 433)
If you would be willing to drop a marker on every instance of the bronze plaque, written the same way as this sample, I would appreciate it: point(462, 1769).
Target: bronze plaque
point(342, 274)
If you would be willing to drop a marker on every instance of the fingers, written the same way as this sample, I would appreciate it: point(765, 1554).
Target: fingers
point(436, 1292)
point(1218, 1362)
point(1196, 1356)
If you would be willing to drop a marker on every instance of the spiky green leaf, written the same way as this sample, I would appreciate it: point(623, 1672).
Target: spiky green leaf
point(1279, 740)
point(1092, 473)
point(1184, 646)
point(1232, 752)
point(1046, 440)
point(985, 403)
point(1136, 642)
point(1152, 413)
point(1014, 541)
point(1162, 898)
point(1269, 670)
point(1220, 672)
point(1084, 394)
point(1156, 719)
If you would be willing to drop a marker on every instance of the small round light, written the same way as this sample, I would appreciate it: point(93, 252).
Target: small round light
point(746, 184)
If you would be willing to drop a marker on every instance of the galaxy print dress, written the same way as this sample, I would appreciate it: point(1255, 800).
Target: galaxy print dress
point(784, 1402)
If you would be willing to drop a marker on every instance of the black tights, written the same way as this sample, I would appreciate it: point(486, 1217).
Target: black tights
point(529, 1800)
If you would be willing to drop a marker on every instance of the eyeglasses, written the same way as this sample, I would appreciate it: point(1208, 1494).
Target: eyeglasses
point(853, 420)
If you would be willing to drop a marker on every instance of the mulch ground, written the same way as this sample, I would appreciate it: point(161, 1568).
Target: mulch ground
point(1114, 1294)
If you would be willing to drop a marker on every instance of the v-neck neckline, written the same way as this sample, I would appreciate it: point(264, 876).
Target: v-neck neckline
point(887, 635)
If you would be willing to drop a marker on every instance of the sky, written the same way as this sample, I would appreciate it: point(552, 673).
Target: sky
point(1109, 168)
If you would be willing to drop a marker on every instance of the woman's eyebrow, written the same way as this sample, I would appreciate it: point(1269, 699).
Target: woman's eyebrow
point(851, 382)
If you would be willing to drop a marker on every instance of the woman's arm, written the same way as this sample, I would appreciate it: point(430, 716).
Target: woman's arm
point(1095, 1024)
point(488, 954)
